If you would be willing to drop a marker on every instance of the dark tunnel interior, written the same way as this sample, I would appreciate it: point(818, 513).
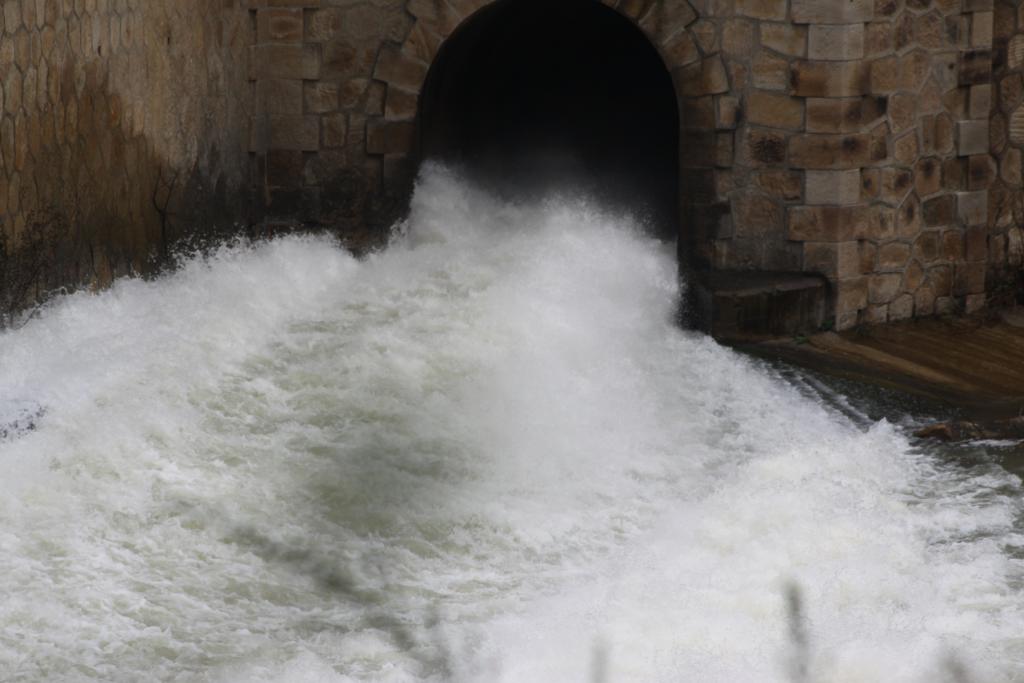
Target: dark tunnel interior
point(531, 96)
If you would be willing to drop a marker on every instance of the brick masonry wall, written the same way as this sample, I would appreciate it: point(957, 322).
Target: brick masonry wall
point(848, 138)
point(123, 126)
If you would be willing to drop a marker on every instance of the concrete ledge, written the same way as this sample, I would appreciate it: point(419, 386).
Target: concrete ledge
point(737, 306)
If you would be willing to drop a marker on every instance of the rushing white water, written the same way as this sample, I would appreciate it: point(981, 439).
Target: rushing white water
point(485, 454)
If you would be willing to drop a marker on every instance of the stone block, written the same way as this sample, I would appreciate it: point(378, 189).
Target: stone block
point(981, 29)
point(762, 9)
point(940, 211)
point(894, 184)
point(321, 97)
point(976, 243)
point(972, 137)
point(770, 72)
point(883, 287)
point(980, 101)
point(775, 110)
point(893, 257)
point(284, 61)
point(927, 176)
point(279, 24)
point(707, 77)
point(832, 11)
point(279, 96)
point(756, 216)
point(975, 67)
point(397, 68)
point(840, 188)
point(981, 172)
point(737, 38)
point(727, 112)
point(787, 39)
point(908, 217)
point(785, 185)
point(335, 127)
point(902, 308)
point(401, 105)
point(829, 151)
point(300, 133)
point(843, 115)
point(968, 278)
point(952, 246)
point(972, 208)
point(836, 42)
point(761, 147)
point(390, 137)
point(827, 223)
point(1010, 168)
point(829, 79)
point(924, 302)
point(833, 260)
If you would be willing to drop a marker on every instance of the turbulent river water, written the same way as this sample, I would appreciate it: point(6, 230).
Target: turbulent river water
point(484, 454)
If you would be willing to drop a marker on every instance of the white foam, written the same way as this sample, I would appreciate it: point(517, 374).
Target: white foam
point(485, 454)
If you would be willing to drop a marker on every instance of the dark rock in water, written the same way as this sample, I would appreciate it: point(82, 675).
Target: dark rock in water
point(963, 430)
point(18, 418)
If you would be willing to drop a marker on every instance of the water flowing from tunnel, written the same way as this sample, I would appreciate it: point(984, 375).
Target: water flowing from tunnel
point(484, 454)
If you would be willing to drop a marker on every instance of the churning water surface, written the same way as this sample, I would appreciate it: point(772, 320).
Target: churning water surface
point(484, 454)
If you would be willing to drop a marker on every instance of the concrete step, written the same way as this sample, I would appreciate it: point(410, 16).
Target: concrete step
point(740, 306)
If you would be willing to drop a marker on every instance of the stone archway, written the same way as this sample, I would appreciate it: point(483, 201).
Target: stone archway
point(444, 33)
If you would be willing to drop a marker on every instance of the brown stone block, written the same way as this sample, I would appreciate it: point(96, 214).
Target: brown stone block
point(827, 223)
point(940, 279)
point(905, 149)
point(870, 184)
point(763, 147)
point(952, 245)
point(928, 176)
point(878, 39)
point(981, 172)
point(775, 110)
point(321, 97)
point(663, 20)
point(1010, 168)
point(829, 79)
point(785, 38)
point(902, 112)
point(972, 208)
point(727, 112)
point(883, 287)
point(901, 308)
point(924, 302)
point(335, 130)
point(998, 135)
point(697, 112)
point(707, 77)
point(756, 216)
point(954, 174)
point(939, 211)
point(401, 105)
point(390, 137)
point(867, 254)
point(975, 66)
point(397, 68)
point(680, 50)
point(836, 42)
point(279, 24)
point(838, 188)
point(843, 115)
point(972, 137)
point(770, 72)
point(832, 11)
point(300, 133)
point(782, 184)
point(926, 246)
point(296, 62)
point(976, 243)
point(762, 9)
point(279, 96)
point(908, 218)
point(284, 168)
point(895, 184)
point(851, 296)
point(737, 38)
point(829, 151)
point(893, 257)
point(968, 278)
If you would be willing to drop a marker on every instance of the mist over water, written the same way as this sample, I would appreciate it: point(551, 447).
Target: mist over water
point(484, 454)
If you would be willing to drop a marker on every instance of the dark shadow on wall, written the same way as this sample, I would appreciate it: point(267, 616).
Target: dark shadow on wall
point(534, 95)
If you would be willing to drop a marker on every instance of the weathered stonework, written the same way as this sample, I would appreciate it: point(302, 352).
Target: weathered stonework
point(122, 127)
point(875, 143)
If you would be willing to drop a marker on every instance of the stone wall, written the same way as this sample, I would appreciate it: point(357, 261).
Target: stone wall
point(867, 141)
point(848, 138)
point(123, 127)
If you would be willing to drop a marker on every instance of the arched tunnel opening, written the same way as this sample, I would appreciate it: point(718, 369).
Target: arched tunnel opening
point(531, 96)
